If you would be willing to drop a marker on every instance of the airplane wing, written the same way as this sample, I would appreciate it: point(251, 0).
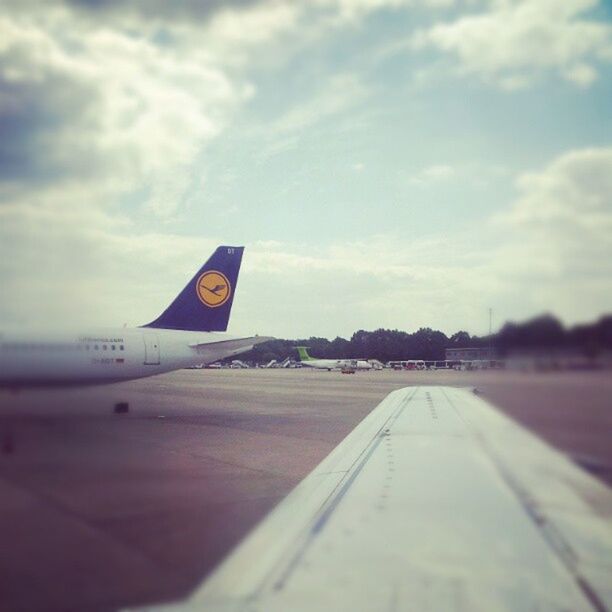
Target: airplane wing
point(436, 501)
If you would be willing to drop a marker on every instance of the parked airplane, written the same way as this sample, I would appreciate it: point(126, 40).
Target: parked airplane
point(237, 364)
point(330, 364)
point(187, 333)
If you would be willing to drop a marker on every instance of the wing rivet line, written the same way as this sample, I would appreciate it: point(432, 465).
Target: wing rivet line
point(337, 496)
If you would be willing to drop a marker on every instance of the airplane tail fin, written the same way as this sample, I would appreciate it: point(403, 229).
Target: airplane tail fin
point(205, 303)
point(303, 353)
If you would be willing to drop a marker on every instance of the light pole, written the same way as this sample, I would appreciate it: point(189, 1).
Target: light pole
point(490, 334)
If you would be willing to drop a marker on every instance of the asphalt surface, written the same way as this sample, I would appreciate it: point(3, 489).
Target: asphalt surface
point(100, 510)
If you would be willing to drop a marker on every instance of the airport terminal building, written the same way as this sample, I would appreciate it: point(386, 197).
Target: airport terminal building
point(484, 353)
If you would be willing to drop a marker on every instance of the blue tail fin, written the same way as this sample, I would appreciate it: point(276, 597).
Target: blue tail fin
point(205, 303)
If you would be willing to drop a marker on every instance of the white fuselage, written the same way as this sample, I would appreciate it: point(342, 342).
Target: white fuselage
point(336, 364)
point(110, 355)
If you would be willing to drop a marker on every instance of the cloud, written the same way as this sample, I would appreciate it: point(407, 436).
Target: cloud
point(574, 188)
point(67, 263)
point(339, 93)
point(104, 115)
point(566, 210)
point(476, 174)
point(433, 174)
point(119, 13)
point(124, 97)
point(550, 250)
point(515, 42)
point(558, 235)
point(106, 108)
point(381, 281)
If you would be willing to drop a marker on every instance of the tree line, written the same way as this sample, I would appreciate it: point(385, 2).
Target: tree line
point(542, 332)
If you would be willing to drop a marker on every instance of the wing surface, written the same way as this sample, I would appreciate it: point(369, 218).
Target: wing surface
point(230, 343)
point(436, 501)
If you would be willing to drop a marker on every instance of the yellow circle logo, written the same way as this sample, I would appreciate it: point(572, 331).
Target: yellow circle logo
point(213, 288)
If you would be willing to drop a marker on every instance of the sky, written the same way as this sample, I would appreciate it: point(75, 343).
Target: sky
point(386, 163)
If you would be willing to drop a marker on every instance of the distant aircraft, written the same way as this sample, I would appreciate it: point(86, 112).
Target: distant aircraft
point(189, 332)
point(237, 364)
point(330, 364)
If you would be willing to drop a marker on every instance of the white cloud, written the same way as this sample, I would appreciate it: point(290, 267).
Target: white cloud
point(558, 235)
point(124, 104)
point(100, 104)
point(574, 190)
point(338, 94)
point(146, 110)
point(69, 263)
point(515, 41)
point(102, 111)
point(433, 174)
point(383, 281)
point(476, 174)
point(552, 250)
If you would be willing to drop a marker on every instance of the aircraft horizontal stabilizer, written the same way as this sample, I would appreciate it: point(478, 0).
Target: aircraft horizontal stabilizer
point(231, 343)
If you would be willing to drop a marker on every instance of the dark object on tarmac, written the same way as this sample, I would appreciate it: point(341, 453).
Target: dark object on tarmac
point(8, 444)
point(122, 408)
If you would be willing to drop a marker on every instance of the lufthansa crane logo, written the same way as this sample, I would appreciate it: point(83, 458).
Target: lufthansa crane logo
point(213, 289)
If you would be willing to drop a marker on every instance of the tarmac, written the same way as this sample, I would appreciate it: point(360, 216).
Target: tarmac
point(99, 511)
